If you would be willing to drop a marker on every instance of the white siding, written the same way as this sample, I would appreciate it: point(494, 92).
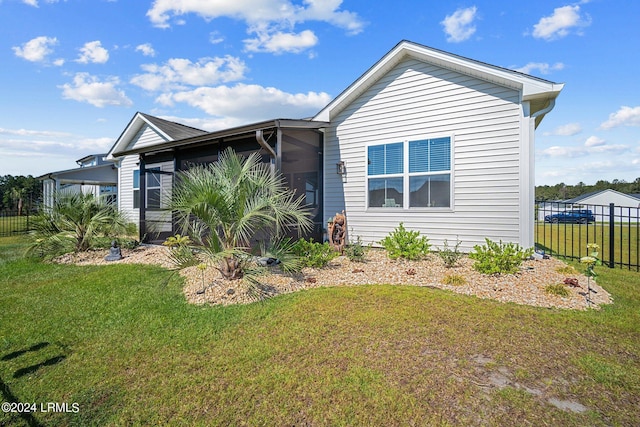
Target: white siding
point(415, 100)
point(125, 188)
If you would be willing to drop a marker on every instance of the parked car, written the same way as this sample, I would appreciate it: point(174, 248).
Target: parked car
point(577, 216)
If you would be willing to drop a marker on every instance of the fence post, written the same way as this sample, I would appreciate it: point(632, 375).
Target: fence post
point(612, 235)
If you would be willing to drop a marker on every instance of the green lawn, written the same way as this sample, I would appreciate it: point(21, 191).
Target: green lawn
point(121, 343)
point(572, 239)
point(13, 224)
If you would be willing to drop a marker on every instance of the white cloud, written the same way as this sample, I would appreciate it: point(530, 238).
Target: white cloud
point(93, 52)
point(178, 72)
point(246, 103)
point(625, 116)
point(592, 146)
point(569, 129)
point(560, 23)
point(280, 42)
point(31, 133)
point(270, 20)
point(34, 3)
point(569, 152)
point(459, 26)
point(542, 67)
point(87, 88)
point(215, 37)
point(594, 141)
point(37, 49)
point(146, 49)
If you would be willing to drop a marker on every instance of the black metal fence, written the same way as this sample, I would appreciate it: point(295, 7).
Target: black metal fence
point(14, 222)
point(564, 229)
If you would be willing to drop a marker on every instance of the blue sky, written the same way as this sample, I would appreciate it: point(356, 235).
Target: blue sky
point(73, 73)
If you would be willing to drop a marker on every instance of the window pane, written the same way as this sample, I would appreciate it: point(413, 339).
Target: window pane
point(439, 154)
point(153, 198)
point(386, 159)
point(394, 157)
point(153, 179)
point(419, 156)
point(376, 160)
point(441, 190)
point(136, 179)
point(419, 191)
point(430, 191)
point(136, 199)
point(385, 192)
point(431, 155)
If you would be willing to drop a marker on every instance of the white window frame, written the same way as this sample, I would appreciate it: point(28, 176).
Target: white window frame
point(406, 175)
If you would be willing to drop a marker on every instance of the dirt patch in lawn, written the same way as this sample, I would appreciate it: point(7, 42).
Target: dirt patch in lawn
point(526, 287)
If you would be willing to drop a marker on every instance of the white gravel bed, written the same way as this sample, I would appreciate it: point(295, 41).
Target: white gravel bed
point(526, 287)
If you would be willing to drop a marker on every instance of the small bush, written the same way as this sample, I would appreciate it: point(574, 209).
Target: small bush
point(450, 256)
point(402, 243)
point(356, 251)
point(499, 258)
point(454, 280)
point(567, 269)
point(559, 290)
point(314, 254)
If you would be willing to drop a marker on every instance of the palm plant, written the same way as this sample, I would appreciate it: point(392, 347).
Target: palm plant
point(224, 205)
point(74, 222)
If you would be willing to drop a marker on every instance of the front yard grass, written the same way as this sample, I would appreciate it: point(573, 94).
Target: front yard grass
point(122, 343)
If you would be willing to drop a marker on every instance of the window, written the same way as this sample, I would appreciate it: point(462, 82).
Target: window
point(136, 189)
point(153, 188)
point(385, 169)
point(427, 174)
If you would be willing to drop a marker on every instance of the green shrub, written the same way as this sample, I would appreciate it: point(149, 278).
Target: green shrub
point(499, 258)
point(356, 251)
point(559, 290)
point(450, 256)
point(402, 243)
point(314, 254)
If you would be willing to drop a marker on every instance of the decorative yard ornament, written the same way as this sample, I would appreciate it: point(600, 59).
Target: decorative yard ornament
point(337, 231)
point(114, 252)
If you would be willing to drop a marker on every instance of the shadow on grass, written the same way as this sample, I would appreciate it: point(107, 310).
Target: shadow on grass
point(19, 353)
point(8, 396)
point(30, 369)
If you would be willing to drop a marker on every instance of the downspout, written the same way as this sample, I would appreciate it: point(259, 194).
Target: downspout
point(527, 184)
point(268, 149)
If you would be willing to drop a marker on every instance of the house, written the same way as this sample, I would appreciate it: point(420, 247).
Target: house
point(627, 206)
point(94, 175)
point(442, 143)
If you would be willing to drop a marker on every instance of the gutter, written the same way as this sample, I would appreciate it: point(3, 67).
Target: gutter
point(552, 103)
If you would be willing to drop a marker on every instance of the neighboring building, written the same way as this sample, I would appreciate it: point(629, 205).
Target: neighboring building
point(442, 143)
point(94, 175)
point(627, 206)
point(133, 180)
point(605, 197)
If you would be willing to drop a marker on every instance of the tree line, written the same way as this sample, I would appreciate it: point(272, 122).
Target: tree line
point(20, 193)
point(564, 191)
